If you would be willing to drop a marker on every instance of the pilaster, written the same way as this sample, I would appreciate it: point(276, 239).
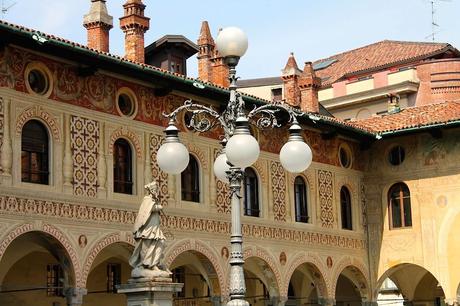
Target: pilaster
point(6, 158)
point(102, 165)
point(67, 166)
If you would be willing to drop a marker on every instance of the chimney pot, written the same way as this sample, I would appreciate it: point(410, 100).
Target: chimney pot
point(134, 24)
point(98, 23)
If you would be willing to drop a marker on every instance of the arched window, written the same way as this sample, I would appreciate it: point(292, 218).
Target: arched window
point(122, 167)
point(345, 206)
point(190, 181)
point(34, 153)
point(251, 193)
point(399, 206)
point(300, 200)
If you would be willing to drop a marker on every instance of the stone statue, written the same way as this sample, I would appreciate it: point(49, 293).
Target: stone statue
point(147, 258)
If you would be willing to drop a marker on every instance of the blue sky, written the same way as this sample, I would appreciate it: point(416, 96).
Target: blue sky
point(312, 29)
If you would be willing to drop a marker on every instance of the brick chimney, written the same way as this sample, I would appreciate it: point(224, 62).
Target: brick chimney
point(98, 23)
point(290, 76)
point(220, 70)
point(134, 24)
point(206, 47)
point(309, 85)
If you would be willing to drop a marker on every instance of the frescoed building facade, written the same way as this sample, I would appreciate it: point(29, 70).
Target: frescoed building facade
point(79, 132)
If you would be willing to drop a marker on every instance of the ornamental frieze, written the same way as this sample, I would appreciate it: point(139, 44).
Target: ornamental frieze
point(84, 213)
point(97, 91)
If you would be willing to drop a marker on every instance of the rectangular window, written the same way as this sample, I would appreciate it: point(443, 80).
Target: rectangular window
point(277, 94)
point(54, 280)
point(407, 212)
point(396, 212)
point(113, 277)
point(178, 276)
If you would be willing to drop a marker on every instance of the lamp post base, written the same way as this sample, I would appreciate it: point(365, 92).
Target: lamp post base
point(150, 292)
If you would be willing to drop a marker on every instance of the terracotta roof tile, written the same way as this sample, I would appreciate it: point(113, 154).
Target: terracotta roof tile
point(412, 117)
point(380, 54)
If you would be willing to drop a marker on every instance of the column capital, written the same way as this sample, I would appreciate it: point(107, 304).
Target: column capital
point(326, 301)
point(451, 302)
point(74, 296)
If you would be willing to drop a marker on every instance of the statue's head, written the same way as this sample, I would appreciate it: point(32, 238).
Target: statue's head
point(152, 189)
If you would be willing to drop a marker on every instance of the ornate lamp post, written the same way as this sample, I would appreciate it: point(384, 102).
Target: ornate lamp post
point(239, 148)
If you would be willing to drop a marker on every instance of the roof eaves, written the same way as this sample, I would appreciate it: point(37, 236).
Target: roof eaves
point(417, 129)
point(400, 62)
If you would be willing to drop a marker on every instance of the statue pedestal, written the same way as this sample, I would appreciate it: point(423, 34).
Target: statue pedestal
point(150, 292)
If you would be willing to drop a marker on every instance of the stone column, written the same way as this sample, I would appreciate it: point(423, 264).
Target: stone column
point(369, 303)
point(279, 300)
point(326, 301)
point(215, 300)
point(74, 296)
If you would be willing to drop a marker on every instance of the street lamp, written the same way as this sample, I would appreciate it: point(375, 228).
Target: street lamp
point(239, 148)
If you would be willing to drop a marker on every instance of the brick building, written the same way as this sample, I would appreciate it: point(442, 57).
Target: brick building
point(80, 128)
point(361, 83)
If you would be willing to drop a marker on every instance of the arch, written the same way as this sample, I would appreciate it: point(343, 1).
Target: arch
point(124, 132)
point(261, 170)
point(198, 153)
point(417, 275)
point(97, 248)
point(184, 245)
point(56, 234)
point(307, 175)
point(264, 255)
point(360, 280)
point(448, 222)
point(36, 112)
point(314, 260)
point(351, 183)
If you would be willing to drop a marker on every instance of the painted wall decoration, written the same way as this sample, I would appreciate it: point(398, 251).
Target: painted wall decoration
point(2, 122)
point(278, 190)
point(160, 176)
point(326, 198)
point(98, 92)
point(100, 215)
point(223, 196)
point(223, 199)
point(84, 139)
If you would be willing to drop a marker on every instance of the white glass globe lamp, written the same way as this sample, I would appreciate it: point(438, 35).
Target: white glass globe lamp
point(295, 155)
point(242, 148)
point(221, 167)
point(173, 156)
point(232, 42)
